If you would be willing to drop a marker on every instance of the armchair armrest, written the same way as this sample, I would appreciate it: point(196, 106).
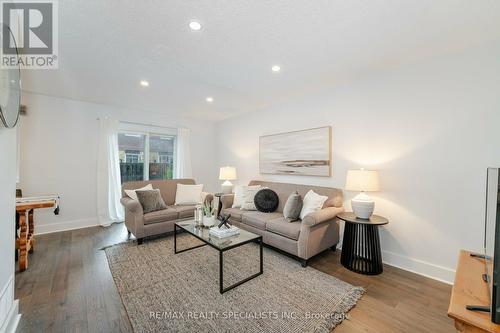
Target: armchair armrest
point(227, 200)
point(322, 215)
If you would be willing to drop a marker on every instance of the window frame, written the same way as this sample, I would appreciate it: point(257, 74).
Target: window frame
point(148, 131)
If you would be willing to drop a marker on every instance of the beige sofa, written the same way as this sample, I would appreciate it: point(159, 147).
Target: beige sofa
point(303, 239)
point(143, 225)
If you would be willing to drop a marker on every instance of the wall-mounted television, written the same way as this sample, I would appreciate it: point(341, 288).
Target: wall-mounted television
point(491, 255)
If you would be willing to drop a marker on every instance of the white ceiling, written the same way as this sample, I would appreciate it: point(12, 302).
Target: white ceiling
point(107, 47)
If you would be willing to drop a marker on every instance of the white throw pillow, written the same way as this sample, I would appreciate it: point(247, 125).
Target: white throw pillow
point(238, 195)
point(133, 195)
point(188, 194)
point(249, 193)
point(312, 203)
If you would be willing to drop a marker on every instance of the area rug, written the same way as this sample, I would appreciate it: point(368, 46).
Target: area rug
point(167, 292)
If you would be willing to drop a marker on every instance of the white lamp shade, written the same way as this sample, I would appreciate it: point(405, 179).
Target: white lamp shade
point(227, 173)
point(362, 180)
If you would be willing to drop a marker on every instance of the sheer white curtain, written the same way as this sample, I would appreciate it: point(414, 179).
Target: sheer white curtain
point(183, 154)
point(109, 209)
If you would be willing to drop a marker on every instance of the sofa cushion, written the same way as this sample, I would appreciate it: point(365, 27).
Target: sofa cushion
point(151, 200)
point(184, 211)
point(239, 194)
point(132, 195)
point(248, 201)
point(311, 203)
point(293, 207)
point(163, 215)
point(167, 187)
point(283, 190)
point(188, 194)
point(283, 227)
point(235, 213)
point(258, 219)
point(266, 200)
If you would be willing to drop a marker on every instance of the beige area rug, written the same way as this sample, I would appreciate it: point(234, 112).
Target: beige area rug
point(167, 292)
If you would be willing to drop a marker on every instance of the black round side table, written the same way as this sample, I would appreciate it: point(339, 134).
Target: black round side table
point(361, 244)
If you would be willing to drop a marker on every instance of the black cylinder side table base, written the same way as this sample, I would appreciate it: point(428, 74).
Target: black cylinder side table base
point(361, 251)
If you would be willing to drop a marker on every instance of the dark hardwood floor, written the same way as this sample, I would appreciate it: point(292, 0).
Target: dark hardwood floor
point(68, 288)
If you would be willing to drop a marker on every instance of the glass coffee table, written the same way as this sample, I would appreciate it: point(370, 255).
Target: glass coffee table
point(220, 244)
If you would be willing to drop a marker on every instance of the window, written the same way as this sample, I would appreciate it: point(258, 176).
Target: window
point(146, 155)
point(131, 158)
point(161, 157)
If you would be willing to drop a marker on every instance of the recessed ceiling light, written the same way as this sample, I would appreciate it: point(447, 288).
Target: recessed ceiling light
point(195, 25)
point(209, 99)
point(276, 68)
point(144, 83)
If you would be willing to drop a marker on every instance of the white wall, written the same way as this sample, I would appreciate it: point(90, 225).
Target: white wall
point(8, 308)
point(59, 154)
point(430, 128)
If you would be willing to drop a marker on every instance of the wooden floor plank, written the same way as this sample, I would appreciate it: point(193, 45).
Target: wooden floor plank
point(68, 288)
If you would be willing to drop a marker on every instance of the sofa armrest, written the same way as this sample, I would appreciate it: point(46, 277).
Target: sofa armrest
point(227, 200)
point(134, 216)
point(133, 206)
point(207, 197)
point(318, 232)
point(322, 215)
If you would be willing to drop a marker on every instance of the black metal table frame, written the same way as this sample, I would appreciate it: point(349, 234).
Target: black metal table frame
point(222, 290)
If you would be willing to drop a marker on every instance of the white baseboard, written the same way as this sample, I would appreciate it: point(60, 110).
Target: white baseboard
point(65, 226)
point(13, 319)
point(9, 308)
point(417, 266)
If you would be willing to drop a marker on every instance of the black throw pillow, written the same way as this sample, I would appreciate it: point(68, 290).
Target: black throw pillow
point(266, 200)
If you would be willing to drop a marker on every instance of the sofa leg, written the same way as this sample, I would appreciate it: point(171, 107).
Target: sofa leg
point(334, 248)
point(139, 241)
point(303, 262)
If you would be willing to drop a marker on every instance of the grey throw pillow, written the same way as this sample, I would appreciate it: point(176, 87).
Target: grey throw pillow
point(151, 200)
point(293, 206)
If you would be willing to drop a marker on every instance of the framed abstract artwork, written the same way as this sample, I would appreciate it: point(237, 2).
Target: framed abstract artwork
point(305, 153)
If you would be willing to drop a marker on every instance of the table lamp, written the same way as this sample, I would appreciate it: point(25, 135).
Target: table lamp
point(362, 180)
point(227, 174)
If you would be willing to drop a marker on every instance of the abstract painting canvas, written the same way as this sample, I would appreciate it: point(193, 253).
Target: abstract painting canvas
point(306, 153)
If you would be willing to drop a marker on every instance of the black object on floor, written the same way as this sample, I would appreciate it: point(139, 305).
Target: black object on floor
point(361, 244)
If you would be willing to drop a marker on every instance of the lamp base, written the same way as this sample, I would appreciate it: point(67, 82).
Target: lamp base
point(227, 187)
point(363, 206)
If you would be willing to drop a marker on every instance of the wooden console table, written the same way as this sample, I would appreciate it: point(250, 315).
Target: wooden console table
point(470, 289)
point(26, 241)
